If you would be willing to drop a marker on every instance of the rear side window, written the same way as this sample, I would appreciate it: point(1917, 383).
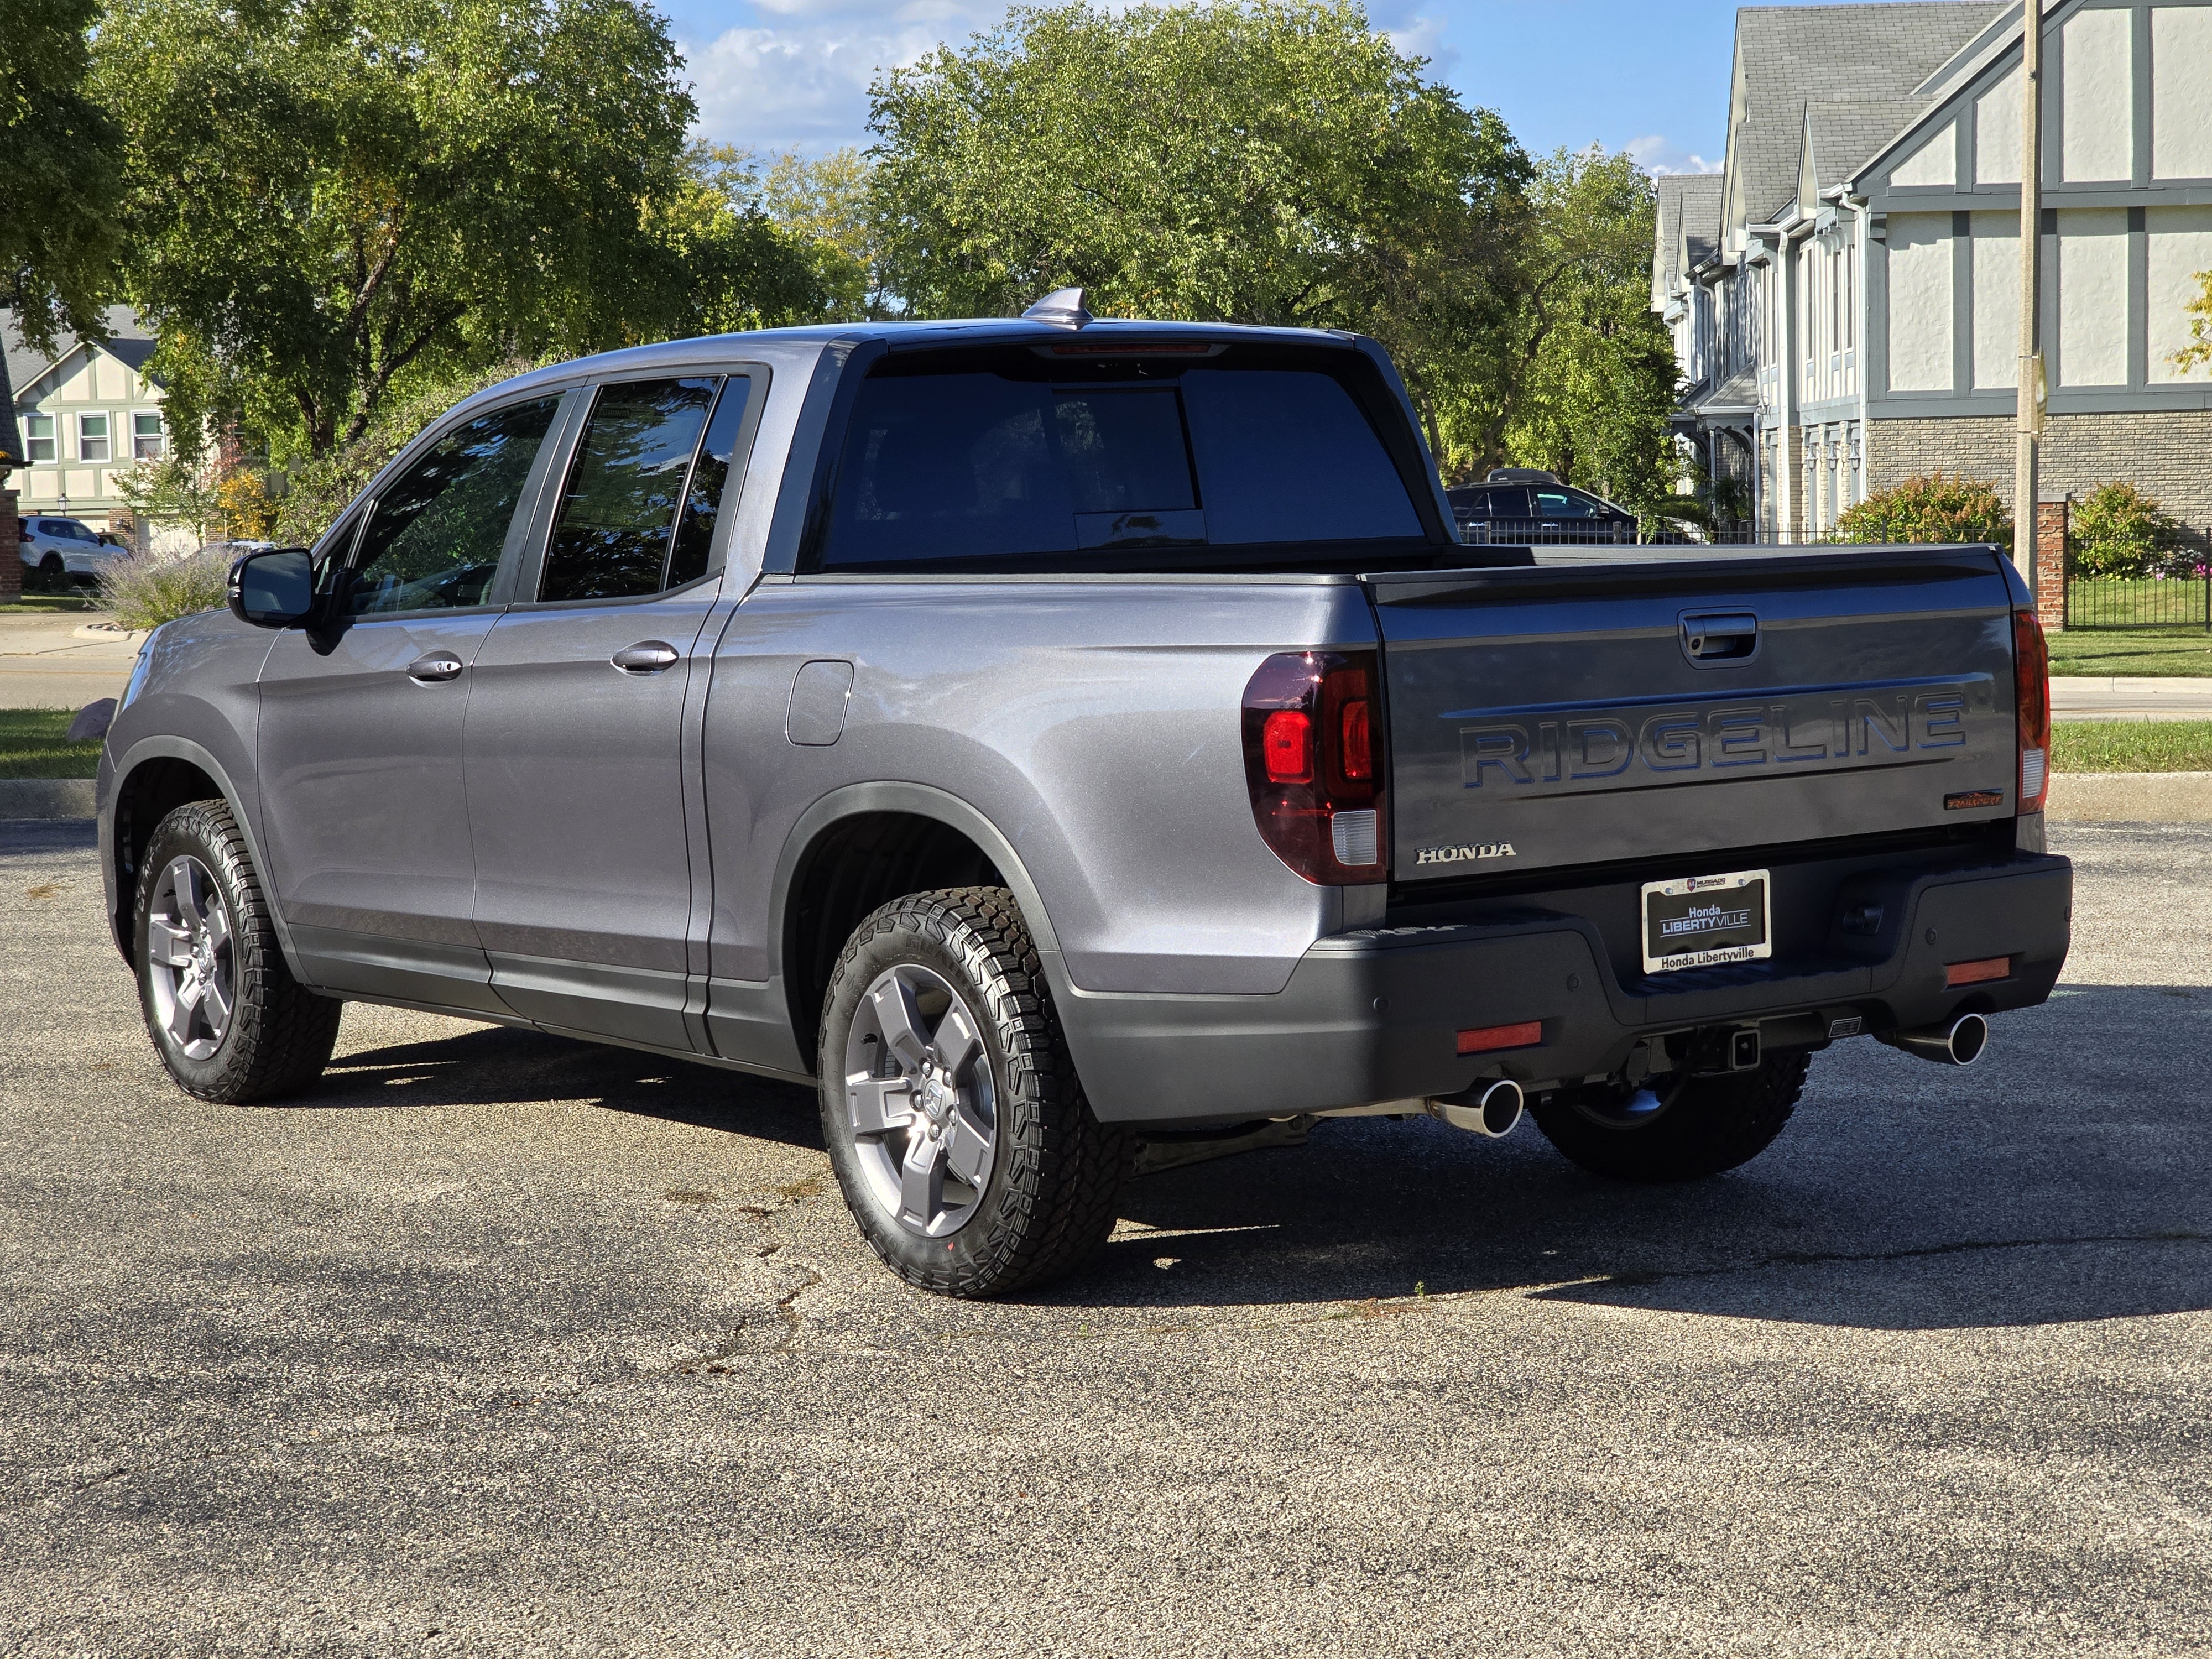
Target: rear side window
point(625, 489)
point(946, 468)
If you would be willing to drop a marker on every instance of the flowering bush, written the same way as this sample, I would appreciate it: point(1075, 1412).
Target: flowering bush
point(2115, 529)
point(1935, 508)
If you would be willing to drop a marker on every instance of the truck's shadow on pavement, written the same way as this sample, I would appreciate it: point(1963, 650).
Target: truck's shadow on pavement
point(2061, 1179)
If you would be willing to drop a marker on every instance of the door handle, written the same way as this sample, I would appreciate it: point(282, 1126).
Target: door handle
point(647, 657)
point(439, 666)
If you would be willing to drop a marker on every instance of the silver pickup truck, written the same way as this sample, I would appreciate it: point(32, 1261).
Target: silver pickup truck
point(1068, 738)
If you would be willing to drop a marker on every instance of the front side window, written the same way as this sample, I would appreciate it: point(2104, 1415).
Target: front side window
point(627, 490)
point(147, 442)
point(434, 538)
point(39, 437)
point(1012, 467)
point(92, 439)
point(1566, 504)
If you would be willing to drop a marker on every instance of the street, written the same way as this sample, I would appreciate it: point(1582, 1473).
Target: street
point(496, 1343)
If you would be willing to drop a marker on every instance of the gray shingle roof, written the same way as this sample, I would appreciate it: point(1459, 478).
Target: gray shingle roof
point(1788, 57)
point(1844, 137)
point(1686, 200)
point(128, 340)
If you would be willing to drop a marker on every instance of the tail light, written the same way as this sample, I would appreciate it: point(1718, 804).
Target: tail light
point(1314, 762)
point(2031, 669)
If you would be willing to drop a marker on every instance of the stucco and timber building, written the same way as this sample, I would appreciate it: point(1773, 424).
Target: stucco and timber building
point(1845, 295)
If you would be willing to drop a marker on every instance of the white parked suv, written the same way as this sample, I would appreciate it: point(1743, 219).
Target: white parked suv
point(57, 547)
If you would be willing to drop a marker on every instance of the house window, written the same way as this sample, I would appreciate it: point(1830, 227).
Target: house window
point(147, 442)
point(39, 437)
point(92, 438)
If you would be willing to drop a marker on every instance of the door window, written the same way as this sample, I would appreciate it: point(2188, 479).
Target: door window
point(434, 540)
point(1565, 504)
point(627, 488)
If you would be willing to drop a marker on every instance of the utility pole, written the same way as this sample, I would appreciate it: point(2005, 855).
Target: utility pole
point(2031, 295)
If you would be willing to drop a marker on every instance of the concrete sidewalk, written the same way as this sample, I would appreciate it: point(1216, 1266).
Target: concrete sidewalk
point(2136, 698)
point(63, 661)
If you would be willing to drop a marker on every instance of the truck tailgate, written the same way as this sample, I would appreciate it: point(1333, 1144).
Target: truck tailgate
point(1585, 713)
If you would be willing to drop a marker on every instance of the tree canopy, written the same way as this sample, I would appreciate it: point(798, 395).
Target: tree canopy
point(327, 195)
point(1273, 162)
point(60, 175)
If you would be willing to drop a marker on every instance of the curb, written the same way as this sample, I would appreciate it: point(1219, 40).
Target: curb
point(2131, 798)
point(45, 798)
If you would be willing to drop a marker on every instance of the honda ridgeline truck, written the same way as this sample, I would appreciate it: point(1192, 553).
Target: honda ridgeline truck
point(1056, 735)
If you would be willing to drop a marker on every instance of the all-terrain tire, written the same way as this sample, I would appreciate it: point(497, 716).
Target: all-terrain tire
point(1706, 1125)
point(279, 1034)
point(1050, 1198)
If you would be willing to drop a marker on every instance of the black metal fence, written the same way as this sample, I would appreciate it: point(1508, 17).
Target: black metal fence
point(2139, 602)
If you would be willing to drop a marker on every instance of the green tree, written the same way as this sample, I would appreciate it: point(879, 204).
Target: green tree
point(327, 197)
point(825, 198)
point(1589, 384)
point(2199, 349)
point(60, 175)
point(1271, 162)
point(735, 265)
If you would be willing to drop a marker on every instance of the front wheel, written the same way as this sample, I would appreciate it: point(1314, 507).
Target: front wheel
point(1677, 1128)
point(959, 1133)
point(227, 1017)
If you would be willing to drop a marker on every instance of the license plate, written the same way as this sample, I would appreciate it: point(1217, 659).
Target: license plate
point(1699, 920)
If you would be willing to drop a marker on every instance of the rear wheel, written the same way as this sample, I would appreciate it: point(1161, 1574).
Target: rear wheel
point(1677, 1128)
point(968, 1155)
point(227, 1017)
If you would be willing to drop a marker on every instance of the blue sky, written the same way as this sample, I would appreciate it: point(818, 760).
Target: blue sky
point(1640, 74)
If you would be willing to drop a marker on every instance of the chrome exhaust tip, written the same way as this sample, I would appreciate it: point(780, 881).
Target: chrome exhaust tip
point(1486, 1109)
point(1960, 1043)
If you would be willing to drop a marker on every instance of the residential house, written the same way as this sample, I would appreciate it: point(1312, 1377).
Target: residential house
point(1867, 249)
point(81, 413)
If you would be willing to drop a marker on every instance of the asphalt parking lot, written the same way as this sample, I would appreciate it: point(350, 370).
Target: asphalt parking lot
point(499, 1344)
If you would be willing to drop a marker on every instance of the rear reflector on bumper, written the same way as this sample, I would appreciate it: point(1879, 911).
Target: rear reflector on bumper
point(1487, 1039)
point(1975, 973)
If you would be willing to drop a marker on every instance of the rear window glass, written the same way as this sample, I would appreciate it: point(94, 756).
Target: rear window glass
point(949, 467)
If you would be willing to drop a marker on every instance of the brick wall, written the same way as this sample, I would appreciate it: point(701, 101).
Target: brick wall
point(2167, 452)
point(2050, 561)
point(11, 562)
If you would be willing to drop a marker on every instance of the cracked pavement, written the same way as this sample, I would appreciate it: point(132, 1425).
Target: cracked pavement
point(500, 1344)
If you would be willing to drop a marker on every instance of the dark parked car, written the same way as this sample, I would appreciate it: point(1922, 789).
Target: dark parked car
point(1520, 504)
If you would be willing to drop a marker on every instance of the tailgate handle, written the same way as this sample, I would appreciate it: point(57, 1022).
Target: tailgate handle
point(1720, 635)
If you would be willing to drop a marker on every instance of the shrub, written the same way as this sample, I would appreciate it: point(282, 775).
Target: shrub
point(144, 590)
point(1935, 508)
point(2115, 529)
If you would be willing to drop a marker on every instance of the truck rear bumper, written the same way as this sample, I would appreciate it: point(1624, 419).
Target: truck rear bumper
point(1376, 1014)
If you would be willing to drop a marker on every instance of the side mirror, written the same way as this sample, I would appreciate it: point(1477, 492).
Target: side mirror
point(274, 588)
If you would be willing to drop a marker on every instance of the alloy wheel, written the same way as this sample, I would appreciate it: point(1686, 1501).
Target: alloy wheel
point(920, 1101)
point(190, 960)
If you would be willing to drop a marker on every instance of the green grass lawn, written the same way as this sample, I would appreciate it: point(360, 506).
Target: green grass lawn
point(51, 604)
point(32, 745)
point(2132, 651)
point(2131, 747)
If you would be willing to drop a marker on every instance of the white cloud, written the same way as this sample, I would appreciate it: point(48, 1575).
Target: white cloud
point(1424, 37)
point(1655, 154)
point(805, 80)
